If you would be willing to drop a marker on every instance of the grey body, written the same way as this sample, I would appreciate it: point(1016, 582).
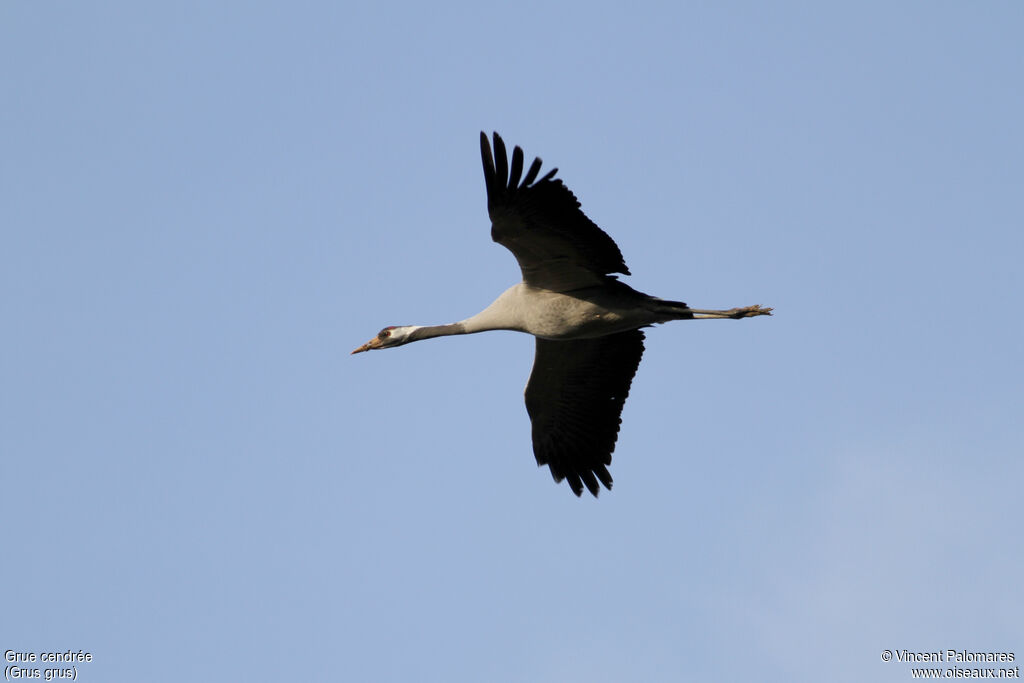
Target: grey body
point(581, 314)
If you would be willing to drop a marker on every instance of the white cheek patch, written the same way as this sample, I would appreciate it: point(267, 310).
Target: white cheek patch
point(400, 334)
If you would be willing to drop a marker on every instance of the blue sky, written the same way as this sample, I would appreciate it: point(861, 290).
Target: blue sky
point(206, 206)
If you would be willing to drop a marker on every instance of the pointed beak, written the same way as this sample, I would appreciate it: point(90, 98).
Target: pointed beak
point(372, 344)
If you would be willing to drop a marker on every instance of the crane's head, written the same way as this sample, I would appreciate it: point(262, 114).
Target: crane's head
point(388, 337)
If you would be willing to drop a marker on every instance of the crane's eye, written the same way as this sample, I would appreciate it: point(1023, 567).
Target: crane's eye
point(384, 334)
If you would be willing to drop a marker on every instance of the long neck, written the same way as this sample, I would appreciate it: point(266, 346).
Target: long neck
point(503, 314)
point(478, 323)
point(430, 331)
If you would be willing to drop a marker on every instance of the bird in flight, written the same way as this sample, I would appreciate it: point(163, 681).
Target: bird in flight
point(587, 324)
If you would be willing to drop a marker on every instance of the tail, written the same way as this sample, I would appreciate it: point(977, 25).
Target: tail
point(672, 310)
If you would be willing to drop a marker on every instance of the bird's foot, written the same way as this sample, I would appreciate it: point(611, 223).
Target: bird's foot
point(749, 311)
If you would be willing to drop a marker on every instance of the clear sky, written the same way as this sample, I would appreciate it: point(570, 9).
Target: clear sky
point(205, 206)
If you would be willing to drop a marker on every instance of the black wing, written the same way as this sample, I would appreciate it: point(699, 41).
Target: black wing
point(575, 397)
point(540, 221)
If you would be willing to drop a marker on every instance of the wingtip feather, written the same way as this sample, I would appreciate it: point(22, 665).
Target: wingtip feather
point(531, 174)
point(591, 481)
point(500, 162)
point(517, 168)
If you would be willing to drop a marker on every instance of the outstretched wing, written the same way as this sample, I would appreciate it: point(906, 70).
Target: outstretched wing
point(540, 221)
point(575, 397)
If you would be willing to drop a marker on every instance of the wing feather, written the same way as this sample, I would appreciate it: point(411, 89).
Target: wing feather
point(541, 223)
point(501, 166)
point(531, 175)
point(574, 398)
point(517, 167)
